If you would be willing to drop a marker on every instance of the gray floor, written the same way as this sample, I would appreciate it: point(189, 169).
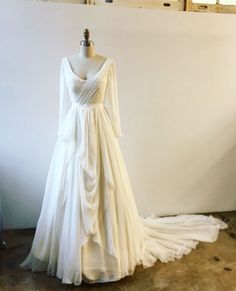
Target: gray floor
point(209, 267)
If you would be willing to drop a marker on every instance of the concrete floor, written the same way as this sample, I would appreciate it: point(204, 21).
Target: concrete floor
point(209, 267)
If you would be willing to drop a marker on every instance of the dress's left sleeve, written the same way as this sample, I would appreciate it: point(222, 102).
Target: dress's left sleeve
point(65, 102)
point(111, 99)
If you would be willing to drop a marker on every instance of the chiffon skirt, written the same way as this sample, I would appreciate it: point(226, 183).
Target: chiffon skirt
point(89, 227)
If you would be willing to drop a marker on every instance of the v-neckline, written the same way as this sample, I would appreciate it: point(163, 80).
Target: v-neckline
point(84, 80)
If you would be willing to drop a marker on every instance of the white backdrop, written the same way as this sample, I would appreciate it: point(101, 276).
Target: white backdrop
point(177, 91)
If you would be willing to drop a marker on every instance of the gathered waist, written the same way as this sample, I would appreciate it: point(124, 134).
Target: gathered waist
point(68, 126)
point(87, 105)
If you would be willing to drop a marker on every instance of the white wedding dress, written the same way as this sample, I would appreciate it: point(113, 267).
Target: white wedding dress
point(89, 227)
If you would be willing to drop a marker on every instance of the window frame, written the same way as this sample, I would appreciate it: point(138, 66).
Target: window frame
point(205, 7)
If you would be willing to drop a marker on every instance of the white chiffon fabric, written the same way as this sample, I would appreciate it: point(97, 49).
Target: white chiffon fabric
point(89, 227)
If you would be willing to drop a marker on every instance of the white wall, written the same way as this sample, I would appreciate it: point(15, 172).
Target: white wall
point(176, 81)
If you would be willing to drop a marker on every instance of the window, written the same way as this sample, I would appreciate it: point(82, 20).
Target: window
point(219, 6)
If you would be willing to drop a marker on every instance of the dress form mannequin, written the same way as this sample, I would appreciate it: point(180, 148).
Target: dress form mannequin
point(86, 63)
point(89, 226)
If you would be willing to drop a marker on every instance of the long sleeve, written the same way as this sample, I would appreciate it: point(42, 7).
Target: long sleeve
point(111, 100)
point(65, 102)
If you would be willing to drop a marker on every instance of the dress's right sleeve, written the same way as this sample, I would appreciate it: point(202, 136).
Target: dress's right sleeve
point(65, 102)
point(112, 102)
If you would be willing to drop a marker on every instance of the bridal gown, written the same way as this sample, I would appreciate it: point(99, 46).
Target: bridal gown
point(89, 227)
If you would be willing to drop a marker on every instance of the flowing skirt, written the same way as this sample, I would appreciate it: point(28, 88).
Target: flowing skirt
point(89, 227)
